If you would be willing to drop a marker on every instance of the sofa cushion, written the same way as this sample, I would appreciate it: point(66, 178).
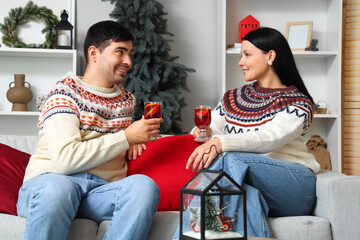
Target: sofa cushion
point(301, 227)
point(12, 169)
point(83, 229)
point(13, 228)
point(21, 142)
point(163, 226)
point(164, 161)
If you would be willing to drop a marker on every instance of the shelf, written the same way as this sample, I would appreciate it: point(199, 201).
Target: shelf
point(296, 53)
point(19, 113)
point(42, 69)
point(334, 116)
point(36, 52)
point(315, 54)
point(320, 70)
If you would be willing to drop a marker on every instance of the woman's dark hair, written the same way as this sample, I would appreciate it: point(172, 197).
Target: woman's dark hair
point(102, 33)
point(284, 65)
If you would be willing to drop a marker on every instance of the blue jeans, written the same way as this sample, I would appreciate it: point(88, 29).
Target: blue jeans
point(273, 188)
point(51, 201)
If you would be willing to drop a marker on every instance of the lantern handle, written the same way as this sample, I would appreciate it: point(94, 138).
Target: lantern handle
point(213, 145)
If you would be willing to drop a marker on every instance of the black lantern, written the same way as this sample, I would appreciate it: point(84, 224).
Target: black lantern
point(205, 209)
point(64, 32)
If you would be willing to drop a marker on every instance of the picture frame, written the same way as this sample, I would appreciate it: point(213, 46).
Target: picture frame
point(298, 35)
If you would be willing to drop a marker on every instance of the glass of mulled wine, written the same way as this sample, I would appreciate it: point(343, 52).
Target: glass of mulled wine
point(152, 110)
point(202, 118)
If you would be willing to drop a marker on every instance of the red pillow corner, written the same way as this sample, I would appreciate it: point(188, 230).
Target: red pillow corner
point(12, 169)
point(164, 161)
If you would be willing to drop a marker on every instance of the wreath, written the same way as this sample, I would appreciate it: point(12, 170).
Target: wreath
point(19, 16)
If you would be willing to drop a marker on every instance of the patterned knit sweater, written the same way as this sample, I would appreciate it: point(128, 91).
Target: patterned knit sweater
point(81, 130)
point(266, 121)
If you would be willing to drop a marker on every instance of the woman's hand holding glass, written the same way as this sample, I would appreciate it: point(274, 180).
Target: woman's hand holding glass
point(196, 132)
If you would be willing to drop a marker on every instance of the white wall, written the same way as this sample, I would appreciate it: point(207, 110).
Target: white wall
point(194, 25)
point(193, 22)
point(88, 12)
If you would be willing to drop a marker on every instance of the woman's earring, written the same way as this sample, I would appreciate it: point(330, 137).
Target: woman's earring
point(269, 63)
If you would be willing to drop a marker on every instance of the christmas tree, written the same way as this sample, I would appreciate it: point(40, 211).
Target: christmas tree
point(155, 75)
point(212, 214)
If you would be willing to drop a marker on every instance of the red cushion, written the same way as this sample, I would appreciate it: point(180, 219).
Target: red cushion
point(164, 161)
point(12, 169)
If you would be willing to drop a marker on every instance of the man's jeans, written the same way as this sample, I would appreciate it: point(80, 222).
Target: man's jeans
point(273, 188)
point(51, 201)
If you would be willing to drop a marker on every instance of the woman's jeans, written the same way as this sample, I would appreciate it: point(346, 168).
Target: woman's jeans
point(51, 201)
point(273, 188)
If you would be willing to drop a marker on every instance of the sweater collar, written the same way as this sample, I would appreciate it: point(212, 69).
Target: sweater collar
point(260, 89)
point(102, 91)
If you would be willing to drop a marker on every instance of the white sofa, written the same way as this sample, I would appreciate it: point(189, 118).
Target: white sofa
point(335, 217)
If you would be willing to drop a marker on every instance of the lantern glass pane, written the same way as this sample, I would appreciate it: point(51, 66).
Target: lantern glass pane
point(222, 213)
point(222, 220)
point(190, 203)
point(64, 38)
point(224, 184)
point(202, 180)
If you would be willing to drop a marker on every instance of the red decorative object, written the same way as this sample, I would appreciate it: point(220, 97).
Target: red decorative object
point(247, 25)
point(164, 161)
point(13, 163)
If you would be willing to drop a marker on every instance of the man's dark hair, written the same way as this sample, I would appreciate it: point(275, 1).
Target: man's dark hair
point(102, 33)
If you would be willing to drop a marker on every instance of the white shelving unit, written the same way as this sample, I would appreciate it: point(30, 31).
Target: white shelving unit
point(321, 70)
point(42, 69)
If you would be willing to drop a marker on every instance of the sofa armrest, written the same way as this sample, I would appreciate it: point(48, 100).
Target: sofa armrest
point(338, 200)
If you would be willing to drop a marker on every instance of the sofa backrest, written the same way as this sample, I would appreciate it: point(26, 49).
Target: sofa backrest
point(23, 143)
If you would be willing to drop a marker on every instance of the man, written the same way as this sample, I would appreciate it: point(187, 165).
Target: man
point(79, 167)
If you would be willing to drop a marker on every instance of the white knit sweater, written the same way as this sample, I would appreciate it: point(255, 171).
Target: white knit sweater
point(81, 130)
point(265, 121)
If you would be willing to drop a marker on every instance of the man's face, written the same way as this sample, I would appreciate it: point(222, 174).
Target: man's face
point(114, 61)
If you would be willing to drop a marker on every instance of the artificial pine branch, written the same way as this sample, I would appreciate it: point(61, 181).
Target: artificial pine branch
point(155, 75)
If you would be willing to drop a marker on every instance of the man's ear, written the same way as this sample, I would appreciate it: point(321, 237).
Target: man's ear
point(93, 54)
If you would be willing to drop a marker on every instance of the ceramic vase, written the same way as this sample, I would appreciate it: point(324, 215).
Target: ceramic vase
point(19, 94)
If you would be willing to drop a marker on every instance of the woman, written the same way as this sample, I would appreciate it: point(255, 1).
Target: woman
point(260, 127)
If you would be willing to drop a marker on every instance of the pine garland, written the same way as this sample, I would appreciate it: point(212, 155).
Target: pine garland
point(19, 16)
point(155, 75)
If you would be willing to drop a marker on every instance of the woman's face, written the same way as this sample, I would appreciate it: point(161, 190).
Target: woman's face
point(254, 62)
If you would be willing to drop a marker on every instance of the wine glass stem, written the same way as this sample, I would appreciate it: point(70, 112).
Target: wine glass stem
point(202, 132)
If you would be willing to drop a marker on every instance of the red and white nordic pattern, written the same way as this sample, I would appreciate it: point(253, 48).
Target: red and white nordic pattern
point(96, 112)
point(249, 107)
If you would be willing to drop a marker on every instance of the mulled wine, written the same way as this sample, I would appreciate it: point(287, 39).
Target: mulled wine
point(152, 110)
point(202, 119)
